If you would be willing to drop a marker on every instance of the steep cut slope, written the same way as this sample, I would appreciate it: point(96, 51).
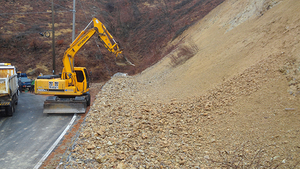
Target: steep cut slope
point(230, 101)
point(229, 40)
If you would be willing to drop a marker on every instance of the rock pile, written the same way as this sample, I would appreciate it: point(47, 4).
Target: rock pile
point(129, 128)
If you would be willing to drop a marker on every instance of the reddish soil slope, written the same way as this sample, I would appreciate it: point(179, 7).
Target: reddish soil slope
point(142, 28)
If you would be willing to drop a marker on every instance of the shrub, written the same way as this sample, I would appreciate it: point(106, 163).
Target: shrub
point(36, 44)
point(80, 61)
point(60, 42)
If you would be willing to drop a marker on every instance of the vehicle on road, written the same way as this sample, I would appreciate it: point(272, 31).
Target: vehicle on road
point(70, 91)
point(20, 74)
point(8, 88)
point(25, 82)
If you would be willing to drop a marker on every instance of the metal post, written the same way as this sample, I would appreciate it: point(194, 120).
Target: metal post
point(73, 33)
point(53, 48)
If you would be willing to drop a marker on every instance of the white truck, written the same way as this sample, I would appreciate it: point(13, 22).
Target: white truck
point(9, 92)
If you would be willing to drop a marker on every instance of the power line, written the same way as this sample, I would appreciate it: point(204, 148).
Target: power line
point(83, 10)
point(61, 6)
point(102, 58)
point(58, 5)
point(27, 13)
point(24, 13)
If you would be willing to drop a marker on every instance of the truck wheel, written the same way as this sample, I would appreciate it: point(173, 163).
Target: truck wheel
point(17, 99)
point(10, 110)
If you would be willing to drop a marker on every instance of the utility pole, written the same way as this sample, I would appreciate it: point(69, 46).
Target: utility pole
point(53, 47)
point(73, 33)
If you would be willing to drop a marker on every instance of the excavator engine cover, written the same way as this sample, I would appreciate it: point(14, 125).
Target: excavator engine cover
point(54, 104)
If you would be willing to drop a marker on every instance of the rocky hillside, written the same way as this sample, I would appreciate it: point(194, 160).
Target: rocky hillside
point(142, 27)
point(226, 95)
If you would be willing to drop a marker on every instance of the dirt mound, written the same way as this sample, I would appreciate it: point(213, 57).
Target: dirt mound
point(233, 103)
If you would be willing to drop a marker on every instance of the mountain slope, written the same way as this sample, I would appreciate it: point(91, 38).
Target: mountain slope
point(231, 101)
point(141, 27)
point(224, 52)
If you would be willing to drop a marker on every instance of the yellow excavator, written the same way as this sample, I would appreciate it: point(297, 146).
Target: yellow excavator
point(69, 92)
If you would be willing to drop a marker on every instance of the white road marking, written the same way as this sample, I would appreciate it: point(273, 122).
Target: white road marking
point(55, 143)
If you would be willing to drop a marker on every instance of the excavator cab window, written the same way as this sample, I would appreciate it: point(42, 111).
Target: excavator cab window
point(79, 76)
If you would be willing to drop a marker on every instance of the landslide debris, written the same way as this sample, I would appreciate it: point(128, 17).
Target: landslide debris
point(247, 116)
point(129, 128)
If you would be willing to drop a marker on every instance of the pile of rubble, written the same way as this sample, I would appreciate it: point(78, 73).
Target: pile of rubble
point(127, 127)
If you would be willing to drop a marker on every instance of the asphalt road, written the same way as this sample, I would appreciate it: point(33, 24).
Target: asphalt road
point(28, 134)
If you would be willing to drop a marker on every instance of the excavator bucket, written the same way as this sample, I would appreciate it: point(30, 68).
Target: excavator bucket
point(121, 60)
point(67, 105)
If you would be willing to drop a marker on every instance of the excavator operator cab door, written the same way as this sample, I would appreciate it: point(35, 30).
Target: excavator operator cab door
point(82, 83)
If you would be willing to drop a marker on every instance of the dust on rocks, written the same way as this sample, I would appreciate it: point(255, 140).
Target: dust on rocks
point(250, 119)
point(129, 128)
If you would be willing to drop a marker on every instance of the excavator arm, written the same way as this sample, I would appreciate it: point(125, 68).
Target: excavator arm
point(104, 36)
point(110, 43)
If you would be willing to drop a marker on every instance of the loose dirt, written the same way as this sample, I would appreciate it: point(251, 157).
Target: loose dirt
point(235, 103)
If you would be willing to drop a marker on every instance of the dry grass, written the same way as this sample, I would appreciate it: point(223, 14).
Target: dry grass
point(37, 44)
point(60, 42)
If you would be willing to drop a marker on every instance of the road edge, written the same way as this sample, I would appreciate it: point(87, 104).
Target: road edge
point(38, 165)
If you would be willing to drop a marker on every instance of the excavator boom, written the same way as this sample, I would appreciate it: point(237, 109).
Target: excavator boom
point(70, 91)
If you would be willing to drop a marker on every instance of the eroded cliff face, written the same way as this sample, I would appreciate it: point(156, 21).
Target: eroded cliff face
point(143, 28)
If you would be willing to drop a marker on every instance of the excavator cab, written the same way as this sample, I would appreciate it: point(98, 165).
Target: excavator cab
point(82, 79)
